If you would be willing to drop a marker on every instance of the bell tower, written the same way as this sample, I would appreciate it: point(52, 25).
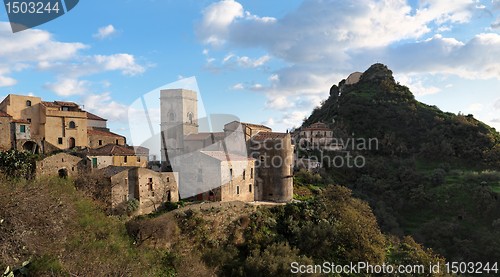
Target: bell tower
point(179, 118)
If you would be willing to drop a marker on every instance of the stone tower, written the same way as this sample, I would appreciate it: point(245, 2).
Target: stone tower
point(179, 118)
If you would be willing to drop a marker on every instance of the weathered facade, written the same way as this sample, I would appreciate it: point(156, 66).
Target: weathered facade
point(207, 162)
point(101, 137)
point(217, 176)
point(179, 118)
point(42, 127)
point(62, 165)
point(116, 155)
point(318, 135)
point(150, 188)
point(5, 131)
point(274, 155)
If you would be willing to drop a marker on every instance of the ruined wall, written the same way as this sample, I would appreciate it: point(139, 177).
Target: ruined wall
point(5, 134)
point(274, 181)
point(52, 165)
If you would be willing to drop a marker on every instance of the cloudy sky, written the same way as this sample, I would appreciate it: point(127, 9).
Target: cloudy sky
point(267, 62)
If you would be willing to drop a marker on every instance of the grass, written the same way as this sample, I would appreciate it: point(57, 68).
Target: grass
point(69, 233)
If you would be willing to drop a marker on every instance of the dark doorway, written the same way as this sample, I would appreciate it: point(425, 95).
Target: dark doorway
point(30, 146)
point(71, 143)
point(63, 173)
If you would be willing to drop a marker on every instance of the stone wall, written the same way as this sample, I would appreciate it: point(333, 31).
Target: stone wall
point(62, 163)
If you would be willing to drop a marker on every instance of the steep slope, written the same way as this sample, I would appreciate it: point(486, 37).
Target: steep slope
point(47, 228)
point(434, 175)
point(378, 107)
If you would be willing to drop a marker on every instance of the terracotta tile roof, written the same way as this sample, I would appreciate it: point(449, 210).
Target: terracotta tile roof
point(21, 121)
point(269, 135)
point(111, 150)
point(58, 104)
point(66, 104)
point(255, 125)
point(97, 132)
point(4, 114)
point(92, 116)
point(111, 170)
point(50, 104)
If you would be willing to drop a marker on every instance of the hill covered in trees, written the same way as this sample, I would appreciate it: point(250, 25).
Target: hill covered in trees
point(434, 175)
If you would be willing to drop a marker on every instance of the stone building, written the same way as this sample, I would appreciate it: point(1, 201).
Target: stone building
point(5, 131)
point(99, 138)
point(43, 127)
point(317, 134)
point(62, 165)
point(274, 155)
point(248, 129)
point(116, 155)
point(218, 176)
point(205, 160)
point(179, 118)
point(150, 188)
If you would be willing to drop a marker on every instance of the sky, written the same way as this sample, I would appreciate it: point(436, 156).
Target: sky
point(266, 62)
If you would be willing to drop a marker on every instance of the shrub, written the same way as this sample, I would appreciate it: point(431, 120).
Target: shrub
point(132, 205)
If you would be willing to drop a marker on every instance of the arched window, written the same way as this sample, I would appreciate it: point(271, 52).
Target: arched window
point(171, 116)
point(72, 125)
point(28, 103)
point(190, 118)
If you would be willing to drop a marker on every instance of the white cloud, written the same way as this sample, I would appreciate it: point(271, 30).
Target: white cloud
point(322, 41)
point(238, 86)
point(120, 62)
point(68, 87)
point(104, 106)
point(279, 102)
point(7, 81)
point(475, 107)
point(248, 62)
point(105, 32)
point(416, 84)
point(497, 105)
point(216, 18)
point(34, 48)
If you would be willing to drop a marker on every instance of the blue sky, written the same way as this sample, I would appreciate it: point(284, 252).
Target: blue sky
point(267, 62)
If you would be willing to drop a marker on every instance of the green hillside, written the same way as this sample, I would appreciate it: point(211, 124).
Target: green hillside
point(435, 175)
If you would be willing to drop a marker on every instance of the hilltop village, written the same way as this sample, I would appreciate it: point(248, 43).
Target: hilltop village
point(245, 162)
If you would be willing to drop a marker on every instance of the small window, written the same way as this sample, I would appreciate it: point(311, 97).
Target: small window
point(250, 188)
point(29, 120)
point(65, 109)
point(125, 159)
point(190, 117)
point(138, 159)
point(72, 125)
point(94, 162)
point(244, 174)
point(168, 179)
point(171, 117)
point(100, 142)
point(22, 128)
point(59, 140)
point(231, 174)
point(28, 103)
point(150, 184)
point(116, 142)
point(237, 189)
